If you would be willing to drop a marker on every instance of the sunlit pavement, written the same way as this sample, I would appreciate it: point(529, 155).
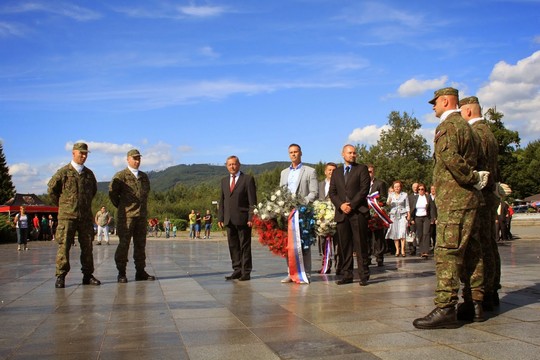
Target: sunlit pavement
point(191, 312)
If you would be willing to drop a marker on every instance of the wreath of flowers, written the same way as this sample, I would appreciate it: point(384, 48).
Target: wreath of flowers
point(324, 212)
point(271, 218)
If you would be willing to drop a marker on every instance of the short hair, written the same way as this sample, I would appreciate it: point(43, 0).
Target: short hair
point(330, 164)
point(233, 157)
point(397, 182)
point(293, 144)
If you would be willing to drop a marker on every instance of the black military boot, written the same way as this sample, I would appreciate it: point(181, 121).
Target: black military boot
point(439, 318)
point(90, 280)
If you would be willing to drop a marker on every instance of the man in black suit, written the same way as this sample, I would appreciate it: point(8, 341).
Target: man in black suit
point(377, 246)
point(238, 198)
point(349, 187)
point(324, 187)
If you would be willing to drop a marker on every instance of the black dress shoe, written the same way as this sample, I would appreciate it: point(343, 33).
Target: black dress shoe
point(363, 282)
point(234, 275)
point(122, 279)
point(244, 278)
point(60, 282)
point(439, 318)
point(90, 280)
point(143, 276)
point(344, 281)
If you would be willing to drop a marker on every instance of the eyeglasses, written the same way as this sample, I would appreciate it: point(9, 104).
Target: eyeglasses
point(421, 189)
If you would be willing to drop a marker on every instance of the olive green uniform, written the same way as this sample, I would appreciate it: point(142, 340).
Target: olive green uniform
point(457, 247)
point(129, 194)
point(488, 213)
point(73, 193)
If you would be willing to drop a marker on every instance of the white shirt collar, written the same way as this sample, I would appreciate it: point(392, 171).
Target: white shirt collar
point(77, 167)
point(135, 172)
point(447, 113)
point(472, 121)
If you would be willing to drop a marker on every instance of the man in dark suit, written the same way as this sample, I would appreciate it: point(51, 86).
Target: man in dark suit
point(349, 187)
point(238, 198)
point(324, 187)
point(377, 246)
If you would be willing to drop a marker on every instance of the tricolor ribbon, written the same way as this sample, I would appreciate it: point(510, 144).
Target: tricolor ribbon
point(294, 250)
point(374, 204)
point(328, 254)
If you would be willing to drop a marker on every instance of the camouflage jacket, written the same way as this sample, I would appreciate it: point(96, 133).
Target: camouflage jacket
point(73, 192)
point(456, 156)
point(130, 194)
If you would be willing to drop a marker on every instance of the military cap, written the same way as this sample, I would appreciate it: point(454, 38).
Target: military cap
point(468, 100)
point(133, 153)
point(82, 147)
point(443, 91)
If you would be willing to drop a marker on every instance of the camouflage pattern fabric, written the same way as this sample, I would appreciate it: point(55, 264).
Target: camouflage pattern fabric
point(129, 194)
point(73, 193)
point(458, 250)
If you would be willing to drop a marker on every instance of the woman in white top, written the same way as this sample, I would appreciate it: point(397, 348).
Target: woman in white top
point(421, 216)
point(399, 214)
point(21, 223)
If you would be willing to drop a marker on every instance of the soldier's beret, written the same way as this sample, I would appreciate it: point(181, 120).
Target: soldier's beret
point(444, 91)
point(133, 153)
point(82, 147)
point(468, 100)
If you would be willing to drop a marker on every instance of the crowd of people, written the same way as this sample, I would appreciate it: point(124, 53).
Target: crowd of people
point(443, 222)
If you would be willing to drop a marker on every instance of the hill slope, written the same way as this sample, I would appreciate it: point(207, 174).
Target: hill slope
point(194, 174)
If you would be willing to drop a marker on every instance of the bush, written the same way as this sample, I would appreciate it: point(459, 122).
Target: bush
point(7, 231)
point(181, 224)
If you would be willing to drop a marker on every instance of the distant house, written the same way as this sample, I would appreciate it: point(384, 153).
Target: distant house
point(31, 202)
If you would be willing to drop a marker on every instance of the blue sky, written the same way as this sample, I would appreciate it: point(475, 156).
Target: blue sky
point(196, 81)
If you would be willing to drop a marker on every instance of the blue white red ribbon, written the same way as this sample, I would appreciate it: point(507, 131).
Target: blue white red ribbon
point(328, 254)
point(295, 258)
point(374, 204)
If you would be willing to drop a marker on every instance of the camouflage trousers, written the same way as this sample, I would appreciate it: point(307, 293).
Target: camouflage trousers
point(490, 251)
point(458, 256)
point(133, 227)
point(65, 237)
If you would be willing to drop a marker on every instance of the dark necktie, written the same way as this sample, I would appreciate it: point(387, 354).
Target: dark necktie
point(347, 170)
point(233, 183)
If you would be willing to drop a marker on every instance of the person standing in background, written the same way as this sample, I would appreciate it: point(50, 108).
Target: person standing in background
point(21, 225)
point(102, 219)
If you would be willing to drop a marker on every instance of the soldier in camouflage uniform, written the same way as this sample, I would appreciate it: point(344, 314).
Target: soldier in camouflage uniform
point(128, 192)
point(72, 189)
point(471, 111)
point(458, 198)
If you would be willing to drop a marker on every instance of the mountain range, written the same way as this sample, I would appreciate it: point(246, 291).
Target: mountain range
point(196, 174)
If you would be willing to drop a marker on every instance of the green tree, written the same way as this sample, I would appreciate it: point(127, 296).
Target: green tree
point(401, 153)
point(7, 189)
point(525, 179)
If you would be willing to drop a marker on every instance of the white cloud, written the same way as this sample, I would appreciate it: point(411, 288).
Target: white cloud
point(202, 11)
point(414, 87)
point(209, 52)
point(515, 91)
point(64, 9)
point(10, 29)
point(368, 135)
point(103, 147)
point(22, 169)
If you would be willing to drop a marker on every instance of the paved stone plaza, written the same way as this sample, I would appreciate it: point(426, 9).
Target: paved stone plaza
point(191, 312)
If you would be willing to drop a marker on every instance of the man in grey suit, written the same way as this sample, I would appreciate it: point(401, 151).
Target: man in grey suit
point(238, 198)
point(349, 188)
point(301, 181)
